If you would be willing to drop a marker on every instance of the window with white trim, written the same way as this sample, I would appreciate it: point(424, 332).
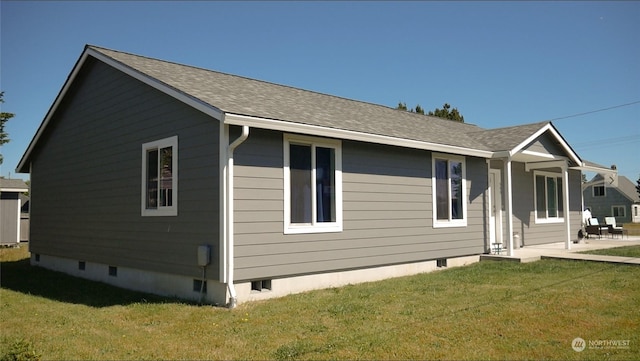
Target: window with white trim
point(160, 177)
point(598, 191)
point(548, 197)
point(618, 211)
point(449, 191)
point(313, 185)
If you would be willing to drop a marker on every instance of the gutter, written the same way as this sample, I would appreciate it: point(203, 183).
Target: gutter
point(233, 300)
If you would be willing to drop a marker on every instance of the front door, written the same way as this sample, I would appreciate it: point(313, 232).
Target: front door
point(495, 206)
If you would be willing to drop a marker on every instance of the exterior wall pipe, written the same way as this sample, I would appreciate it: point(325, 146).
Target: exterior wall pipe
point(565, 203)
point(229, 219)
point(509, 210)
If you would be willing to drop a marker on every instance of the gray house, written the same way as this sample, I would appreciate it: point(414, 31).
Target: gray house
point(611, 200)
point(10, 210)
point(199, 184)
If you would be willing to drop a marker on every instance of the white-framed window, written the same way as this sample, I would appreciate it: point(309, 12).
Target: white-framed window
point(548, 195)
point(312, 184)
point(618, 211)
point(449, 184)
point(160, 177)
point(598, 191)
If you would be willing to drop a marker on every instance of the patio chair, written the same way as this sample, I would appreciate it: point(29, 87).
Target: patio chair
point(613, 229)
point(595, 228)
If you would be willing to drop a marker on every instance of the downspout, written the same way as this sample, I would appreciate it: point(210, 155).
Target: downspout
point(229, 210)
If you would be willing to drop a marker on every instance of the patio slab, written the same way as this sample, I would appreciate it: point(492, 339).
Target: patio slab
point(557, 250)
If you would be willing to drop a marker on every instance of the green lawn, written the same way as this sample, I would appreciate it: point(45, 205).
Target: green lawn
point(488, 310)
point(626, 251)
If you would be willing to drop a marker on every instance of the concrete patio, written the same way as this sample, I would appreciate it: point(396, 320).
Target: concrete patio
point(557, 250)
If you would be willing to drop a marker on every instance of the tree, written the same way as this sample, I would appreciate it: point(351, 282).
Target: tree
point(446, 112)
point(403, 106)
point(4, 117)
point(638, 186)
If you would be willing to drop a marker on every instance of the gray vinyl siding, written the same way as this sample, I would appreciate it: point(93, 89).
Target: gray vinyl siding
point(545, 144)
point(9, 210)
point(602, 206)
point(86, 184)
point(533, 233)
point(387, 210)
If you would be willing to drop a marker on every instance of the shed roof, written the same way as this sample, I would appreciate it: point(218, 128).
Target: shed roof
point(13, 185)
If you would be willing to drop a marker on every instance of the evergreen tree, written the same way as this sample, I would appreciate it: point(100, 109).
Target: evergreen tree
point(4, 117)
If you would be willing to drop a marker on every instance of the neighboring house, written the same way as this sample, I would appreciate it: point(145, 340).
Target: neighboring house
point(606, 200)
point(180, 174)
point(10, 206)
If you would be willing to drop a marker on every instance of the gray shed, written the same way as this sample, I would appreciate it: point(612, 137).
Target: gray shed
point(10, 206)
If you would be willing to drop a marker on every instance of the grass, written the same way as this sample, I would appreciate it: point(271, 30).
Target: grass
point(626, 251)
point(488, 310)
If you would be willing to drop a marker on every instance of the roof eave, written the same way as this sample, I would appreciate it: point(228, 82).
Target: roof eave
point(294, 127)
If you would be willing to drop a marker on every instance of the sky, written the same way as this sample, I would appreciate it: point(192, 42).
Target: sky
point(500, 63)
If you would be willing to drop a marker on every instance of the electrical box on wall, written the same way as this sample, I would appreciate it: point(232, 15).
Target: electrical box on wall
point(204, 255)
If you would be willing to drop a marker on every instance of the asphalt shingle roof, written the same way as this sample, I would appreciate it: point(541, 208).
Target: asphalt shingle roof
point(500, 139)
point(13, 184)
point(244, 96)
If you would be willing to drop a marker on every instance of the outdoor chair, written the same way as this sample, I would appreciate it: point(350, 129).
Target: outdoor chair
point(613, 229)
point(595, 228)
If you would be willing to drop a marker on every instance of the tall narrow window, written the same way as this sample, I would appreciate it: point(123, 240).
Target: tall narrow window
point(325, 184)
point(300, 166)
point(449, 191)
point(313, 187)
point(549, 197)
point(159, 182)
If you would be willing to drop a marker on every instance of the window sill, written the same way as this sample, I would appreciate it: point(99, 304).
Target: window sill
point(549, 220)
point(301, 229)
point(449, 224)
point(159, 212)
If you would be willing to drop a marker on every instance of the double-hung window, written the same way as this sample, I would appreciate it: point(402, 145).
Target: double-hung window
point(160, 177)
point(549, 197)
point(449, 191)
point(618, 211)
point(313, 185)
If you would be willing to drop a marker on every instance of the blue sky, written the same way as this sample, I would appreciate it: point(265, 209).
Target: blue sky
point(500, 63)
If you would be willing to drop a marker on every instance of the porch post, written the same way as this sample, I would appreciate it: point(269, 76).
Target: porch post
point(565, 200)
point(509, 207)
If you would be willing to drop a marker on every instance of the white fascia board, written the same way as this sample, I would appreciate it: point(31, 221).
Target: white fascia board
point(562, 164)
point(539, 154)
point(571, 154)
point(598, 170)
point(16, 190)
point(52, 109)
point(284, 126)
point(203, 107)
